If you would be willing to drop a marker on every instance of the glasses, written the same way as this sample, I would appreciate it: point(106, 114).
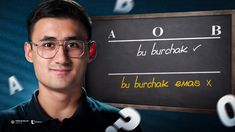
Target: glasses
point(48, 49)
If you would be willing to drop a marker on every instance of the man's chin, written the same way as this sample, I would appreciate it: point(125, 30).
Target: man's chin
point(59, 86)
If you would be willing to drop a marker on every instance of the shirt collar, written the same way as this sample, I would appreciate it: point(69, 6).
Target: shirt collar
point(36, 112)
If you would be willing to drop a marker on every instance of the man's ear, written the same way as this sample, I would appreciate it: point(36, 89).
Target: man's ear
point(28, 52)
point(92, 51)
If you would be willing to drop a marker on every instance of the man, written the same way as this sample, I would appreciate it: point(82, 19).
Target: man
point(59, 46)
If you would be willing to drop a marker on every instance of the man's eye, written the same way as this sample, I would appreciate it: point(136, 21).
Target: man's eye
point(48, 44)
point(74, 45)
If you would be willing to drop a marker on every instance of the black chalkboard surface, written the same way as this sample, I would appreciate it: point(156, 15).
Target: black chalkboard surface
point(178, 61)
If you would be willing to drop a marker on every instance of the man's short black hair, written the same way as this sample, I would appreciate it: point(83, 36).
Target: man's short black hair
point(59, 9)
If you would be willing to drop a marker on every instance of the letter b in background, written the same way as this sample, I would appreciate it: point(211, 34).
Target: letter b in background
point(221, 110)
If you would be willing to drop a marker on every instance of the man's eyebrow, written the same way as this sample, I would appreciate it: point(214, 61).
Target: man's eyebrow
point(72, 38)
point(45, 38)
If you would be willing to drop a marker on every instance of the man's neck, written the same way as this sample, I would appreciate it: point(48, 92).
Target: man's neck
point(59, 104)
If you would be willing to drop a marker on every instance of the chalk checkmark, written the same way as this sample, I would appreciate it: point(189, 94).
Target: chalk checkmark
point(194, 49)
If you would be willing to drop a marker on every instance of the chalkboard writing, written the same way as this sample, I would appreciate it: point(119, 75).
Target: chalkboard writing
point(178, 60)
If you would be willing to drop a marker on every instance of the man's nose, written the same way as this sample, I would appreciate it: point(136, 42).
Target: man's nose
point(61, 55)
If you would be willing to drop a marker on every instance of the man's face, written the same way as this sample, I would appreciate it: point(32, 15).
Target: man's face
point(60, 72)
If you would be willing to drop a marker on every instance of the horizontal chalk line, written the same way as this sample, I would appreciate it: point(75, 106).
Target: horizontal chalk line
point(164, 73)
point(163, 39)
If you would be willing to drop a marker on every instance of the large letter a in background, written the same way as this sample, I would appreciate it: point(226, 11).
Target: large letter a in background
point(14, 85)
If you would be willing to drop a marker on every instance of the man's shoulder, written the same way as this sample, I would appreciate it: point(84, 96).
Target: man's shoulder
point(7, 113)
point(14, 112)
point(98, 106)
point(103, 110)
point(106, 113)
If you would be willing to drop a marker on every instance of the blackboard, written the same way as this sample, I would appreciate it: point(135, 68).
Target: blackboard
point(170, 61)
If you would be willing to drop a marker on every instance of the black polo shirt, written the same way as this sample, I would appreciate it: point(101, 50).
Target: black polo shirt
point(90, 116)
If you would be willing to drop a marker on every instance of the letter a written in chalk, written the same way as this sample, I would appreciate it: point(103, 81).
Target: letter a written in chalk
point(111, 34)
point(14, 85)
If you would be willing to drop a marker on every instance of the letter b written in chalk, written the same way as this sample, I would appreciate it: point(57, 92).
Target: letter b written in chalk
point(216, 30)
